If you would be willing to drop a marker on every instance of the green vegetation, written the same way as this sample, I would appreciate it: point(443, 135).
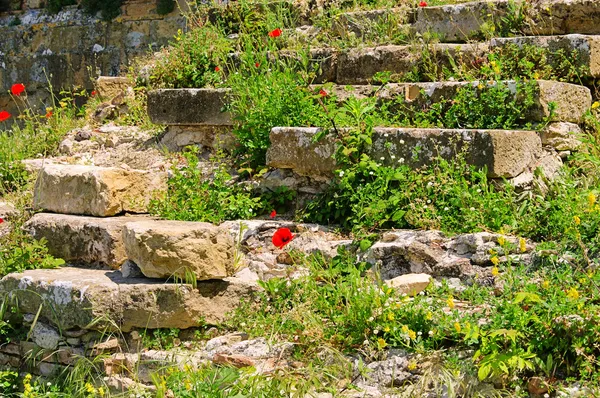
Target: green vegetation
point(54, 6)
point(108, 9)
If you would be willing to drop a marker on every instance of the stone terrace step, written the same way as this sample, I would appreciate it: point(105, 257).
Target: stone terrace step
point(466, 21)
point(572, 101)
point(95, 191)
point(81, 239)
point(504, 153)
point(96, 299)
point(586, 48)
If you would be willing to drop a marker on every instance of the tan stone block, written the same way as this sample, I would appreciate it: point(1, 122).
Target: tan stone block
point(90, 240)
point(109, 86)
point(166, 249)
point(98, 299)
point(410, 284)
point(96, 191)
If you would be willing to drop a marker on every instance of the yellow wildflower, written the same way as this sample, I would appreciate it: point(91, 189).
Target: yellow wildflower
point(429, 315)
point(391, 316)
point(381, 344)
point(501, 240)
point(89, 388)
point(595, 105)
point(495, 260)
point(573, 293)
point(522, 245)
point(495, 271)
point(101, 391)
point(546, 284)
point(577, 220)
point(412, 365)
point(457, 327)
point(450, 302)
point(536, 75)
point(386, 329)
point(480, 86)
point(591, 199)
point(412, 335)
point(405, 329)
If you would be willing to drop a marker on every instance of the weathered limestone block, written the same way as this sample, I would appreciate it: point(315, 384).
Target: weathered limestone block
point(293, 148)
point(7, 210)
point(89, 240)
point(178, 137)
point(586, 48)
point(165, 249)
point(504, 153)
point(459, 22)
point(189, 107)
point(358, 66)
point(359, 22)
point(410, 284)
point(557, 17)
point(95, 191)
point(109, 86)
point(97, 299)
point(571, 101)
point(561, 136)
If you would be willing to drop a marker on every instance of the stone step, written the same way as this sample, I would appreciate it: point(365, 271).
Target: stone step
point(72, 298)
point(474, 20)
point(166, 249)
point(95, 191)
point(505, 153)
point(79, 239)
point(583, 51)
point(571, 101)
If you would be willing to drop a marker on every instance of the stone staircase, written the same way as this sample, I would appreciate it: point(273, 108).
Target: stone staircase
point(129, 271)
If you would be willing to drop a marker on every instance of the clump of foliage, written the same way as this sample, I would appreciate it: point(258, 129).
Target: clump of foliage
point(165, 7)
point(108, 9)
point(54, 6)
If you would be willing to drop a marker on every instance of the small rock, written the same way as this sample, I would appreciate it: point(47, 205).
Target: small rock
point(226, 340)
point(410, 284)
point(66, 147)
point(245, 274)
point(82, 135)
point(239, 361)
point(45, 336)
point(109, 345)
point(537, 385)
point(129, 269)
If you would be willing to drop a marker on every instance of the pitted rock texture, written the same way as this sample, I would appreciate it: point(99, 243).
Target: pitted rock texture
point(166, 249)
point(504, 153)
point(95, 191)
point(189, 107)
point(431, 252)
point(89, 240)
point(96, 299)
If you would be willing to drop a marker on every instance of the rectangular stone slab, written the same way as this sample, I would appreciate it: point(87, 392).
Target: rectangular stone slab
point(359, 65)
point(459, 22)
point(586, 47)
point(97, 299)
point(90, 240)
point(166, 249)
point(189, 106)
point(560, 17)
point(95, 191)
point(504, 153)
point(572, 101)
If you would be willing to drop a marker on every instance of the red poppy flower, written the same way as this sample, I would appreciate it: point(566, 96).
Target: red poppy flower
point(323, 93)
point(4, 115)
point(273, 214)
point(49, 115)
point(1, 220)
point(423, 4)
point(94, 93)
point(217, 69)
point(282, 237)
point(275, 33)
point(17, 89)
point(257, 64)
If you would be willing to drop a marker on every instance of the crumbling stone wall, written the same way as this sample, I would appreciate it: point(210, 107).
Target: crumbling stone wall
point(71, 48)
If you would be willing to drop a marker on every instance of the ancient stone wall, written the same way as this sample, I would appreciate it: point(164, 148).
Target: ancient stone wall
point(71, 48)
